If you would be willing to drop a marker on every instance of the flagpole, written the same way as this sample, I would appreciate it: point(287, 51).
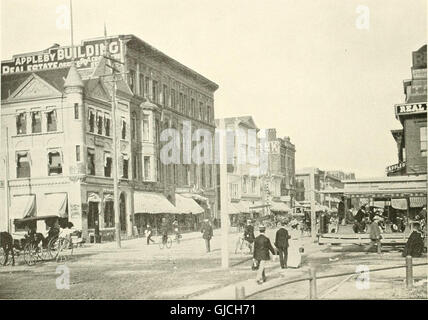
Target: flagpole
point(71, 29)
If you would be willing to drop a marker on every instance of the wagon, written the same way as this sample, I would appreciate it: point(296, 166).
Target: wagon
point(36, 247)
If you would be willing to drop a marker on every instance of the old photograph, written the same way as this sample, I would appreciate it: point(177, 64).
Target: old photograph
point(198, 150)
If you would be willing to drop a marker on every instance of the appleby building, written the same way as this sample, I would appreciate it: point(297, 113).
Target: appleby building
point(57, 137)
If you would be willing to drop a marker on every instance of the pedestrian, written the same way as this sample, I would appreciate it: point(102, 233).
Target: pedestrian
point(249, 235)
point(341, 211)
point(281, 243)
point(375, 235)
point(164, 230)
point(207, 233)
point(415, 243)
point(262, 246)
point(149, 234)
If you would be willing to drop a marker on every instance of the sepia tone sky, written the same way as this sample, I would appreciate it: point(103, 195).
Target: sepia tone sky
point(302, 67)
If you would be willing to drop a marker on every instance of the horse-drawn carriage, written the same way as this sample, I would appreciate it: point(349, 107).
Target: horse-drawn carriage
point(33, 246)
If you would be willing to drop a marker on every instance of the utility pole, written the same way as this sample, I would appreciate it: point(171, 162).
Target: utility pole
point(115, 144)
point(224, 197)
point(6, 181)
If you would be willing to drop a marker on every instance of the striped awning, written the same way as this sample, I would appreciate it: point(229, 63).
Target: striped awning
point(187, 205)
point(418, 202)
point(152, 203)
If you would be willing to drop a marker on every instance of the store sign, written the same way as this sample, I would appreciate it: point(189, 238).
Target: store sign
point(85, 55)
point(396, 167)
point(410, 108)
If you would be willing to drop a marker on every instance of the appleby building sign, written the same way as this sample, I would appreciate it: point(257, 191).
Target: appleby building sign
point(85, 55)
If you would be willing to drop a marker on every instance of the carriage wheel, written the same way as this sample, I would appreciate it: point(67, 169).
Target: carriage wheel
point(53, 248)
point(169, 242)
point(30, 254)
point(43, 253)
point(2, 256)
point(65, 249)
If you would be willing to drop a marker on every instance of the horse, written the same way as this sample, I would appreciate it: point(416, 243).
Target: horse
point(6, 242)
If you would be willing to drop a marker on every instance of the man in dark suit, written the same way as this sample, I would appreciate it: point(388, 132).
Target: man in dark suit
point(262, 246)
point(281, 243)
point(207, 233)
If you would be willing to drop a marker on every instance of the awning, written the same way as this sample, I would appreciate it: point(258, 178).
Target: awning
point(400, 204)
point(54, 204)
point(152, 203)
point(187, 205)
point(232, 208)
point(279, 207)
point(22, 206)
point(418, 202)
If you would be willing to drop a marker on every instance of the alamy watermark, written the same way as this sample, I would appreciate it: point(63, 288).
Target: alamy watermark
point(231, 147)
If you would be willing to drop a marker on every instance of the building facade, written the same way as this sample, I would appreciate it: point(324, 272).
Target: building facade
point(412, 114)
point(57, 136)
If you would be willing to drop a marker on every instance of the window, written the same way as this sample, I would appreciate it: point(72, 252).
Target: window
point(108, 161)
point(134, 127)
point(146, 127)
point(423, 137)
point(92, 214)
point(21, 123)
point(36, 122)
point(185, 109)
point(78, 153)
point(141, 84)
point(55, 163)
point(123, 129)
point(209, 114)
point(253, 185)
point(91, 162)
point(91, 121)
point(201, 110)
point(23, 169)
point(186, 174)
point(147, 168)
point(192, 107)
point(107, 125)
point(125, 166)
point(99, 123)
point(173, 100)
point(244, 184)
point(76, 111)
point(158, 170)
point(155, 91)
point(134, 166)
point(131, 80)
point(203, 175)
point(109, 214)
point(233, 190)
point(165, 95)
point(181, 102)
point(146, 86)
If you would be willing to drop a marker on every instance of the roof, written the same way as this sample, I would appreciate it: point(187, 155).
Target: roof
point(138, 44)
point(11, 82)
point(246, 120)
point(73, 78)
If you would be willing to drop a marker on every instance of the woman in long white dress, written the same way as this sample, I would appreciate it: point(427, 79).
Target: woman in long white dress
point(295, 243)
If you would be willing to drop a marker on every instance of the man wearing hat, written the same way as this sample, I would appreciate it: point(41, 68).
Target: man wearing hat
point(207, 233)
point(281, 243)
point(262, 246)
point(249, 234)
point(375, 236)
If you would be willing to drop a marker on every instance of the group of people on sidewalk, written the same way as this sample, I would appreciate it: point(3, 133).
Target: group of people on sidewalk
point(263, 247)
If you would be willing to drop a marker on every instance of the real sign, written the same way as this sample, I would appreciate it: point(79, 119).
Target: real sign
point(410, 108)
point(85, 55)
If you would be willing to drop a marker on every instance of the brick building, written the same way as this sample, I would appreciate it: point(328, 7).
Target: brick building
point(412, 114)
point(56, 136)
